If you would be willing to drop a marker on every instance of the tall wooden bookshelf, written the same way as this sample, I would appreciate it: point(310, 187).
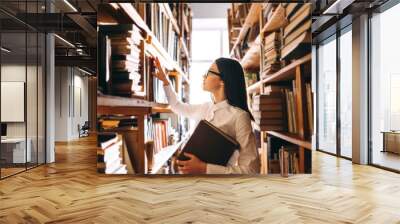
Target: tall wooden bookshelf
point(294, 70)
point(173, 52)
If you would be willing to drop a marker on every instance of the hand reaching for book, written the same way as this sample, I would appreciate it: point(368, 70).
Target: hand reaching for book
point(192, 166)
point(160, 72)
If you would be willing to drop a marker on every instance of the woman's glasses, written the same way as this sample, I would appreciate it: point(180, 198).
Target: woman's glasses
point(212, 72)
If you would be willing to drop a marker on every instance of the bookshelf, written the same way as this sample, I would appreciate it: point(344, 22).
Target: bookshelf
point(291, 77)
point(165, 31)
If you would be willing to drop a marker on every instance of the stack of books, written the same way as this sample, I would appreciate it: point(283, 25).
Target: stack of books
point(272, 45)
point(109, 156)
point(297, 34)
point(268, 112)
point(126, 77)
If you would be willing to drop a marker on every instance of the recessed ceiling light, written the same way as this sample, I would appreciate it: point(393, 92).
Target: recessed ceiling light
point(70, 5)
point(5, 50)
point(64, 40)
point(84, 71)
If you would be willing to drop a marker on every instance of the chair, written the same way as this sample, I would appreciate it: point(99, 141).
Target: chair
point(84, 130)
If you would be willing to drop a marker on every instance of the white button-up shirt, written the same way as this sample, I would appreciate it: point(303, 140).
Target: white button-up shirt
point(234, 121)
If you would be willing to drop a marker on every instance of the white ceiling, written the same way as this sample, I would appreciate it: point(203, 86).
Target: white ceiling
point(209, 10)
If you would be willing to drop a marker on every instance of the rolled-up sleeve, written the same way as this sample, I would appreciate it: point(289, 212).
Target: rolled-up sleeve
point(194, 111)
point(248, 160)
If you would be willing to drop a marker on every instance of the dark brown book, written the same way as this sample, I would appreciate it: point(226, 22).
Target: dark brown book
point(218, 148)
point(125, 76)
point(269, 121)
point(125, 87)
point(260, 110)
point(124, 65)
point(267, 114)
point(273, 98)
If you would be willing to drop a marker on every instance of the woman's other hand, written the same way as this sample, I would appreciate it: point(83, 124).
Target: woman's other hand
point(160, 72)
point(192, 166)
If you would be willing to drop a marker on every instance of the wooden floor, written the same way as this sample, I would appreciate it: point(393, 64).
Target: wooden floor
point(70, 191)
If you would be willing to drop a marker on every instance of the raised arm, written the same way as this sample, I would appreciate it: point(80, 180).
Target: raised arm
point(194, 111)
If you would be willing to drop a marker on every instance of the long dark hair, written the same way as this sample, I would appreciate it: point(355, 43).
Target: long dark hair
point(235, 88)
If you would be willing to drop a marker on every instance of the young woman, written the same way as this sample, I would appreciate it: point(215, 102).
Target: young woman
point(228, 111)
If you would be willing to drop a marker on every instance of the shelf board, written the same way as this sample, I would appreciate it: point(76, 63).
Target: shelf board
point(166, 109)
point(124, 105)
point(286, 73)
point(155, 48)
point(292, 138)
point(120, 129)
point(251, 18)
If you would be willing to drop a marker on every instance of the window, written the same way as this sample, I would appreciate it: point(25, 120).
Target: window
point(385, 87)
point(346, 93)
point(327, 96)
point(209, 42)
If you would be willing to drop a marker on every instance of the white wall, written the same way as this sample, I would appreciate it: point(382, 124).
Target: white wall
point(210, 10)
point(16, 73)
point(71, 94)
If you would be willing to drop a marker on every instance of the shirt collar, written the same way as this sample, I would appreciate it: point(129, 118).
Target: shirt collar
point(220, 105)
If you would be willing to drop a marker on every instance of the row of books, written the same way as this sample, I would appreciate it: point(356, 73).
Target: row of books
point(162, 28)
point(109, 154)
point(282, 156)
point(161, 132)
point(288, 161)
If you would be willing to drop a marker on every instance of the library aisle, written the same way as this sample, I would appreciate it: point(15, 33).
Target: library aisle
point(140, 133)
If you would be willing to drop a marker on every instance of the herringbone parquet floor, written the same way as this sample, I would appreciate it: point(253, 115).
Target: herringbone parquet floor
point(70, 191)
